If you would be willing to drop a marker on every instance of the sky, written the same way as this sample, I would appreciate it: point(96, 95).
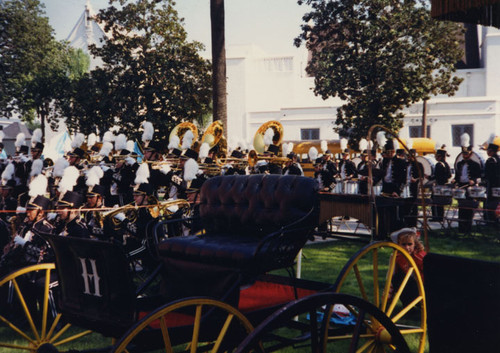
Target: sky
point(270, 24)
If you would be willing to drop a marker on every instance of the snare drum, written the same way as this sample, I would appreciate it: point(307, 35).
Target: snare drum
point(495, 192)
point(377, 190)
point(458, 194)
point(438, 190)
point(477, 191)
point(338, 188)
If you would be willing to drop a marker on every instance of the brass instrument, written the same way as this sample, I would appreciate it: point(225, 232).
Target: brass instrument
point(214, 136)
point(258, 140)
point(161, 209)
point(130, 209)
point(180, 130)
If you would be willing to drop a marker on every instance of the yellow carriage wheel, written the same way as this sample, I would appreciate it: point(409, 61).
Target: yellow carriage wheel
point(187, 325)
point(26, 303)
point(370, 274)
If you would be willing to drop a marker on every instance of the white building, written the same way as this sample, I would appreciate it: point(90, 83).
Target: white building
point(262, 88)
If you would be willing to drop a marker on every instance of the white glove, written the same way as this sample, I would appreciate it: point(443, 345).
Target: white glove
point(20, 209)
point(104, 168)
point(165, 168)
point(129, 161)
point(51, 216)
point(24, 158)
point(19, 240)
point(120, 216)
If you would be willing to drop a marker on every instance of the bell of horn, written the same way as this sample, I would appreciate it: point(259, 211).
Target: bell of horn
point(180, 129)
point(213, 134)
point(259, 142)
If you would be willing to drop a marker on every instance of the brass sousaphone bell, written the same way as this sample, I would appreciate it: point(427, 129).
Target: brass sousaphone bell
point(258, 141)
point(213, 136)
point(181, 129)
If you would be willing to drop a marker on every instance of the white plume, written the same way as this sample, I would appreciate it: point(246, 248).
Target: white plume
point(242, 144)
point(313, 154)
point(130, 146)
point(36, 137)
point(284, 149)
point(290, 147)
point(324, 146)
point(120, 142)
point(381, 139)
point(20, 140)
point(204, 148)
point(38, 186)
point(491, 138)
point(465, 140)
point(343, 144)
point(190, 169)
point(8, 172)
point(78, 140)
point(92, 139)
point(187, 139)
point(409, 144)
point(108, 137)
point(2, 135)
point(36, 167)
point(94, 175)
point(268, 136)
point(396, 144)
point(105, 149)
point(174, 142)
point(59, 166)
point(68, 179)
point(148, 132)
point(363, 145)
point(142, 174)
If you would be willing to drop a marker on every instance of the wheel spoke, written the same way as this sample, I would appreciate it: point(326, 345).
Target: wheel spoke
point(166, 337)
point(357, 331)
point(196, 329)
point(399, 292)
point(45, 304)
point(406, 309)
point(360, 282)
point(15, 329)
point(388, 282)
point(25, 309)
point(222, 333)
point(367, 345)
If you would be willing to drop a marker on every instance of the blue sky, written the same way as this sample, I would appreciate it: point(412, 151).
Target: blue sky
point(271, 24)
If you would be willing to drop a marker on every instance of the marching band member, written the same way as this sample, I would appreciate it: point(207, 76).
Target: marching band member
point(492, 178)
point(441, 175)
point(69, 215)
point(368, 158)
point(347, 168)
point(466, 174)
point(95, 202)
point(414, 170)
point(292, 166)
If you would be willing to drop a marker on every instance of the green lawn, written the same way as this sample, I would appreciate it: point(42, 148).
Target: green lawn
point(323, 260)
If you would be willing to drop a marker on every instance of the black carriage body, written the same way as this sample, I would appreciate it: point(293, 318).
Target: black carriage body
point(95, 286)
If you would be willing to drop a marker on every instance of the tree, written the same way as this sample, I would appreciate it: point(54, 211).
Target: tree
point(34, 67)
point(153, 73)
point(379, 56)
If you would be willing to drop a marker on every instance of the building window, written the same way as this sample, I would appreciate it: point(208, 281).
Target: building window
point(309, 134)
point(416, 131)
point(459, 130)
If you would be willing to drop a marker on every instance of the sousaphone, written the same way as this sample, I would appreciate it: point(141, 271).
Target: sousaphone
point(213, 136)
point(258, 141)
point(181, 129)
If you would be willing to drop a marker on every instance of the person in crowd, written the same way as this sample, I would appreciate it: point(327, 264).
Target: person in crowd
point(441, 176)
point(69, 215)
point(93, 215)
point(408, 239)
point(347, 168)
point(467, 174)
point(292, 166)
point(368, 158)
point(492, 180)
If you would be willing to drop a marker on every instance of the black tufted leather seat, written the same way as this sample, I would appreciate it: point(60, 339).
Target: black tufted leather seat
point(255, 223)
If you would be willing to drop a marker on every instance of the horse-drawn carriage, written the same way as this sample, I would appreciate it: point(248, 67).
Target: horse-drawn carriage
point(211, 289)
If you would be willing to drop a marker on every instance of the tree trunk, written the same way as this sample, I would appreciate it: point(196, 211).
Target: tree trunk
point(218, 62)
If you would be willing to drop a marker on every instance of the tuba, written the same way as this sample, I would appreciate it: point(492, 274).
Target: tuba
point(214, 136)
point(258, 141)
point(181, 129)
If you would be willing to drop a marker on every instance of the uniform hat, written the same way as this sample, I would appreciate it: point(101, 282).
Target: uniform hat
point(144, 189)
point(190, 154)
point(37, 147)
point(273, 149)
point(176, 152)
point(24, 149)
point(40, 202)
point(236, 154)
point(97, 190)
point(492, 147)
point(70, 199)
point(441, 152)
point(389, 145)
point(77, 152)
point(291, 155)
